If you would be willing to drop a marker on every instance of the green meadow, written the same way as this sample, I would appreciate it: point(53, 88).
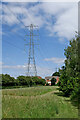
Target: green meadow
point(37, 102)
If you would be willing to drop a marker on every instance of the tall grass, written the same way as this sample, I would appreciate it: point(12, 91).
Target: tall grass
point(36, 102)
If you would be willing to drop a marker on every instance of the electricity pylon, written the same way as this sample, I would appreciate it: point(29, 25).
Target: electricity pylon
point(31, 57)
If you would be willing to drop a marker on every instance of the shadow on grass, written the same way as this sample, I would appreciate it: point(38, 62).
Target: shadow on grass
point(60, 94)
point(73, 102)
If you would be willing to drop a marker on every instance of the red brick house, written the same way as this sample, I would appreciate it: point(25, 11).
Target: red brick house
point(48, 79)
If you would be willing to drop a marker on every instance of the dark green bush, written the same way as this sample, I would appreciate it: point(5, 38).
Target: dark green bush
point(38, 81)
point(47, 84)
point(56, 74)
point(53, 81)
point(68, 84)
point(76, 91)
point(7, 80)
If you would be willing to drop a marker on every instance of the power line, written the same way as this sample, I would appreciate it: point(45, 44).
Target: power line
point(15, 16)
point(20, 22)
point(15, 33)
point(13, 45)
point(42, 56)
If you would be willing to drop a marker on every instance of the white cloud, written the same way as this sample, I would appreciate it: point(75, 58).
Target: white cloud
point(10, 20)
point(20, 0)
point(55, 8)
point(14, 67)
point(22, 69)
point(56, 60)
point(67, 23)
point(44, 71)
point(40, 0)
point(59, 18)
point(59, 0)
point(10, 14)
point(65, 16)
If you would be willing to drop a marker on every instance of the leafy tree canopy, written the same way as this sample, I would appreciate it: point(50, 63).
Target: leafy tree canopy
point(56, 74)
point(70, 73)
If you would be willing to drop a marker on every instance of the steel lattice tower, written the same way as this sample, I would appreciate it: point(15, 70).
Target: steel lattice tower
point(31, 57)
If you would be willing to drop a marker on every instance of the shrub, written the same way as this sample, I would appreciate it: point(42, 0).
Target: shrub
point(76, 91)
point(69, 85)
point(47, 84)
point(56, 74)
point(53, 81)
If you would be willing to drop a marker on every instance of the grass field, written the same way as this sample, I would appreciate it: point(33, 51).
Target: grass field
point(36, 102)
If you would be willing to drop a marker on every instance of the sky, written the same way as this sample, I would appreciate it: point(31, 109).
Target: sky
point(57, 23)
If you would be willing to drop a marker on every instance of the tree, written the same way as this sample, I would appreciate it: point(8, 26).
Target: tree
point(24, 80)
point(38, 81)
point(69, 74)
point(56, 74)
point(71, 62)
point(21, 80)
point(29, 81)
point(7, 80)
point(53, 81)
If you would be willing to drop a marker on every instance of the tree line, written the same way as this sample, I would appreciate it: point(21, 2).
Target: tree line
point(69, 82)
point(8, 81)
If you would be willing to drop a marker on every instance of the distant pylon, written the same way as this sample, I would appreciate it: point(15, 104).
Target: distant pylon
point(31, 57)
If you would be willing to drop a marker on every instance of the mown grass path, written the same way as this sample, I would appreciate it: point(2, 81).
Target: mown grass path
point(36, 102)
